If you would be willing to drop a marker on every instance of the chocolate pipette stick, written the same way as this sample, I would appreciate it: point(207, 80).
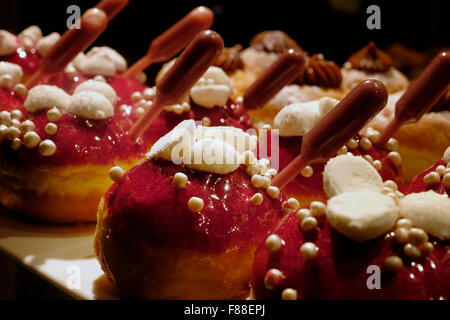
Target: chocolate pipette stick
point(186, 71)
point(92, 23)
point(345, 120)
point(112, 7)
point(174, 39)
point(422, 95)
point(282, 72)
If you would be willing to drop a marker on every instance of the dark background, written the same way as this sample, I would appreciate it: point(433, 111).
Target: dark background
point(333, 27)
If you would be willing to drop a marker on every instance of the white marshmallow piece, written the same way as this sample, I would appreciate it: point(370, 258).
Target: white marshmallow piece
point(100, 87)
point(429, 211)
point(297, 119)
point(240, 140)
point(45, 96)
point(30, 35)
point(346, 173)
point(175, 145)
point(213, 89)
point(91, 105)
point(214, 155)
point(13, 70)
point(44, 44)
point(362, 215)
point(8, 43)
point(103, 61)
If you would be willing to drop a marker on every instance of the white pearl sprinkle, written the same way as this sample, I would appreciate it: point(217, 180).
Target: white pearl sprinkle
point(206, 122)
point(317, 208)
point(352, 144)
point(47, 148)
point(417, 236)
point(309, 250)
point(3, 130)
point(391, 184)
point(392, 144)
point(289, 294)
point(257, 181)
point(440, 170)
point(393, 263)
point(16, 114)
point(307, 172)
point(293, 204)
point(27, 125)
point(365, 143)
point(180, 180)
point(139, 112)
point(100, 78)
point(377, 165)
point(395, 157)
point(12, 133)
point(432, 178)
point(16, 144)
point(148, 93)
point(373, 135)
point(404, 223)
point(273, 192)
point(195, 204)
point(53, 114)
point(271, 172)
point(51, 129)
point(16, 124)
point(266, 181)
point(20, 89)
point(273, 243)
point(342, 150)
point(446, 180)
point(136, 96)
point(5, 117)
point(308, 224)
point(272, 278)
point(303, 213)
point(412, 251)
point(401, 234)
point(6, 81)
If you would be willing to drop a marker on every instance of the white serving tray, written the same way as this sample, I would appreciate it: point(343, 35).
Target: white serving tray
point(62, 255)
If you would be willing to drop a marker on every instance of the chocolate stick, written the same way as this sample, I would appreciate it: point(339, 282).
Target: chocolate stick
point(345, 120)
point(92, 23)
point(422, 95)
point(174, 39)
point(112, 7)
point(186, 71)
point(282, 72)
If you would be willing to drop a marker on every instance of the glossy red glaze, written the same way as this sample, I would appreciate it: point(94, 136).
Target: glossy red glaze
point(145, 205)
point(340, 269)
point(418, 185)
point(313, 186)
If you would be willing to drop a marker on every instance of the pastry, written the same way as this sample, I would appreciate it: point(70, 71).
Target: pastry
point(192, 234)
point(372, 63)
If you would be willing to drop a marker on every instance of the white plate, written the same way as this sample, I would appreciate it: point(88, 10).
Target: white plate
point(62, 255)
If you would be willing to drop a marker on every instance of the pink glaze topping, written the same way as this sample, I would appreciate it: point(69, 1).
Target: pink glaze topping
point(145, 204)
